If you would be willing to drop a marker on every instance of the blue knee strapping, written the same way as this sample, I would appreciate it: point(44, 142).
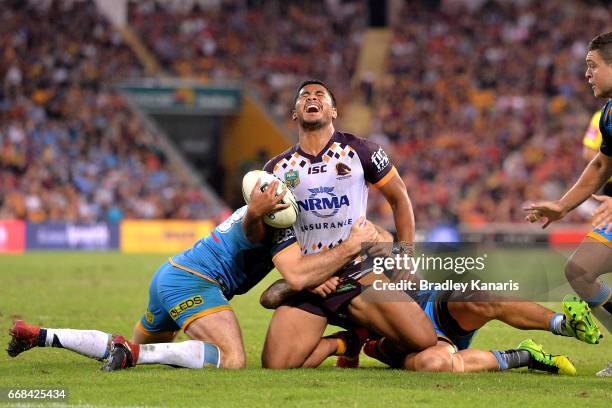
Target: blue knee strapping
point(500, 360)
point(107, 353)
point(601, 297)
point(212, 355)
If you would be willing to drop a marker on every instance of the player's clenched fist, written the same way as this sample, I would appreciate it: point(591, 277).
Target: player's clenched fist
point(363, 231)
point(326, 288)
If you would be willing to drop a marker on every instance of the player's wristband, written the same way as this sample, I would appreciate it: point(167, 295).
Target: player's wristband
point(404, 247)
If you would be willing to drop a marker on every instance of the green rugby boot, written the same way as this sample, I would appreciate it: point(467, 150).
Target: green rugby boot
point(543, 361)
point(579, 321)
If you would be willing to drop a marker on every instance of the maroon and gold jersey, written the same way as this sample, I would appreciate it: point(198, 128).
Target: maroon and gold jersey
point(332, 188)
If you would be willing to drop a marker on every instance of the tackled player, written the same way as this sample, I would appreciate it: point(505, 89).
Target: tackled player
point(329, 173)
point(236, 255)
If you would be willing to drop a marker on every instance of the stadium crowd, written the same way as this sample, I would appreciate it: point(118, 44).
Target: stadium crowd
point(484, 107)
point(273, 45)
point(71, 149)
point(493, 114)
point(483, 103)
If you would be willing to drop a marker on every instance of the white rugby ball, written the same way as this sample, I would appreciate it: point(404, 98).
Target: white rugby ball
point(279, 219)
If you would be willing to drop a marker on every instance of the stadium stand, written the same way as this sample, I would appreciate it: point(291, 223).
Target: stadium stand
point(472, 136)
point(235, 42)
point(71, 149)
point(484, 107)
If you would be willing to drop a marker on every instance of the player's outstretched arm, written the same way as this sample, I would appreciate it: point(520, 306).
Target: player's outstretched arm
point(261, 203)
point(305, 271)
point(403, 215)
point(597, 172)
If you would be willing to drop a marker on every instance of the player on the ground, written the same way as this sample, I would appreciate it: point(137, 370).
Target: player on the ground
point(329, 172)
point(456, 322)
point(593, 257)
point(456, 317)
point(191, 292)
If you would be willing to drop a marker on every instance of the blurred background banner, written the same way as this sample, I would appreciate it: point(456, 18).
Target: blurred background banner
point(163, 236)
point(184, 98)
point(12, 236)
point(61, 236)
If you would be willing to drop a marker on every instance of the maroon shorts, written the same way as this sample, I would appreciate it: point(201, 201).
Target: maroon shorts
point(334, 306)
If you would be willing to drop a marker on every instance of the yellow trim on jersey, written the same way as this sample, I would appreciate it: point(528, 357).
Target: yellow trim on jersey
point(191, 271)
point(206, 312)
point(386, 179)
point(599, 238)
point(592, 137)
point(283, 250)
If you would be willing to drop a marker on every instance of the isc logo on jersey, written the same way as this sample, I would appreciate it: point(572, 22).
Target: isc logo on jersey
point(323, 202)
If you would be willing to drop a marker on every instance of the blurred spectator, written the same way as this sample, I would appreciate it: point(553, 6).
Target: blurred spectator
point(485, 107)
point(481, 106)
point(70, 147)
point(273, 45)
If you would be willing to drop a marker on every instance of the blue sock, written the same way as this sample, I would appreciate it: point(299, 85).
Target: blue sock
point(503, 365)
point(511, 358)
point(601, 298)
point(212, 355)
point(557, 325)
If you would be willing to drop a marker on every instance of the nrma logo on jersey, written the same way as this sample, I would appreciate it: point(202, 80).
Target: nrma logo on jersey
point(322, 202)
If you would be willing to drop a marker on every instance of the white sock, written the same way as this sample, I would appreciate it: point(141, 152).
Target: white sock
point(188, 354)
point(603, 316)
point(90, 343)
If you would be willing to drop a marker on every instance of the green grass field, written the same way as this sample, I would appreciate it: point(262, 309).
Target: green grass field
point(108, 291)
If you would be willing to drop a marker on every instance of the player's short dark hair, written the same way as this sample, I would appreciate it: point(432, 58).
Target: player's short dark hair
point(602, 44)
point(315, 82)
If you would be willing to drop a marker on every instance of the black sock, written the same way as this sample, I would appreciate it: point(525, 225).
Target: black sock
point(508, 359)
point(608, 306)
point(42, 337)
point(42, 340)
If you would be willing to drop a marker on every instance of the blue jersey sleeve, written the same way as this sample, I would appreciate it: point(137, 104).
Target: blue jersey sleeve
point(605, 126)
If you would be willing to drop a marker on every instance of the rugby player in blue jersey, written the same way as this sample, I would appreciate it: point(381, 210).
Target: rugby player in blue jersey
point(190, 292)
point(593, 258)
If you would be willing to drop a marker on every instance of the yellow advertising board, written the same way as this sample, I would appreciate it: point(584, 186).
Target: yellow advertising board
point(161, 236)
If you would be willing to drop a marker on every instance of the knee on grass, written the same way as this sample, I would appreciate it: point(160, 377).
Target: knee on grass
point(438, 361)
point(232, 358)
point(275, 363)
point(434, 361)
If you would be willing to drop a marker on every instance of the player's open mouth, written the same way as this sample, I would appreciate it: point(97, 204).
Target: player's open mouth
point(312, 109)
